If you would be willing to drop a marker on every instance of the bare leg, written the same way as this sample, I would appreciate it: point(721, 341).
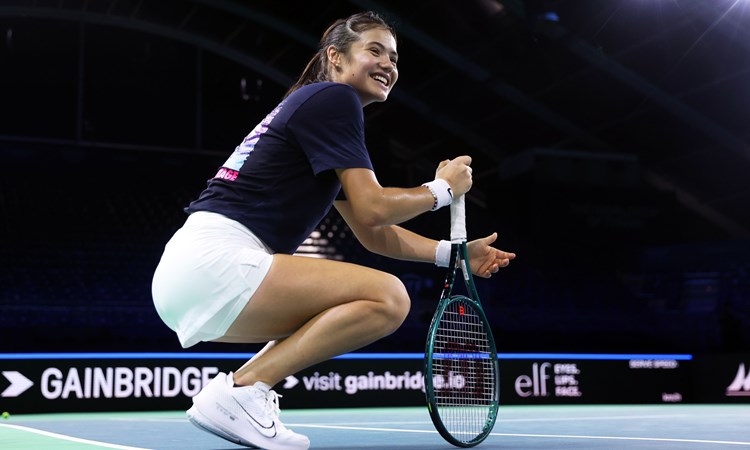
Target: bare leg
point(315, 309)
point(260, 352)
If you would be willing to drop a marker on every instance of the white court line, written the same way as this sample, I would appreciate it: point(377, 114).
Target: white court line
point(577, 418)
point(537, 419)
point(623, 438)
point(70, 438)
point(556, 436)
point(339, 427)
point(136, 419)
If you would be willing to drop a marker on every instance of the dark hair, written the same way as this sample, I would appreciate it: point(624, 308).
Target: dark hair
point(341, 34)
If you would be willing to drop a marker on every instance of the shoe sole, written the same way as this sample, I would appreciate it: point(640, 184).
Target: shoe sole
point(206, 424)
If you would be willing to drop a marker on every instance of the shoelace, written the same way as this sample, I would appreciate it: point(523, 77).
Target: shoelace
point(272, 403)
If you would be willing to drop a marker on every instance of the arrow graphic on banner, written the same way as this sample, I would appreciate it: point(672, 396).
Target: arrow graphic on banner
point(18, 384)
point(290, 382)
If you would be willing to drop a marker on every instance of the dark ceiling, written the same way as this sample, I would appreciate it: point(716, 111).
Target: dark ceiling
point(659, 85)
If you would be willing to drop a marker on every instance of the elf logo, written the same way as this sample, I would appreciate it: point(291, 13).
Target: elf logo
point(536, 384)
point(741, 384)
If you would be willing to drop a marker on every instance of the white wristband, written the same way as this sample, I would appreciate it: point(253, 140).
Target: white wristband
point(443, 254)
point(441, 192)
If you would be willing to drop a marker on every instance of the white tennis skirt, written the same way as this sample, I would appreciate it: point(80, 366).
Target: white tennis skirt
point(207, 274)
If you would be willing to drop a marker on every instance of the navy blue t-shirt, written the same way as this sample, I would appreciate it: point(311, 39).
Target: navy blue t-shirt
point(280, 181)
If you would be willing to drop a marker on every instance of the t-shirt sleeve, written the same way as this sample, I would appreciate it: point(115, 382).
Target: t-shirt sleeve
point(329, 127)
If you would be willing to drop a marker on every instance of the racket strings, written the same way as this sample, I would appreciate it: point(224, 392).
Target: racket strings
point(463, 371)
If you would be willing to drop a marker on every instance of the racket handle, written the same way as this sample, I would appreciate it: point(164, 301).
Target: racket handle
point(458, 220)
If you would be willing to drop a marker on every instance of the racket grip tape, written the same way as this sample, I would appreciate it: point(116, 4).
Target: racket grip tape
point(458, 220)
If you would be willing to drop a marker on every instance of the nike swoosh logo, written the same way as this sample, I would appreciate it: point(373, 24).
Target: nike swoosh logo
point(267, 431)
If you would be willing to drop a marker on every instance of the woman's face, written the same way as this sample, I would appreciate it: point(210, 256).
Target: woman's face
point(369, 66)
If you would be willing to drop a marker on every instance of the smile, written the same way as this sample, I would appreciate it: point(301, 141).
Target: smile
point(381, 79)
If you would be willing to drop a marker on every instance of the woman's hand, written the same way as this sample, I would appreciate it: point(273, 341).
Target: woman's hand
point(485, 259)
point(457, 172)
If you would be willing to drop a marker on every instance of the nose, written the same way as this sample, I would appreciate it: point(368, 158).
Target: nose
point(388, 66)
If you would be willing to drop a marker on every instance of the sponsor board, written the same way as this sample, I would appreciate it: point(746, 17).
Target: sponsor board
point(592, 381)
point(100, 385)
point(130, 384)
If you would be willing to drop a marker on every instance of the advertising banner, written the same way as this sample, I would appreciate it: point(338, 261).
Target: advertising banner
point(595, 379)
point(81, 382)
point(36, 383)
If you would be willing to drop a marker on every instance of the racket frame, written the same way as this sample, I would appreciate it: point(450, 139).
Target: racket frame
point(459, 260)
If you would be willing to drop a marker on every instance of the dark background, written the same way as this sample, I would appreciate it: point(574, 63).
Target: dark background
point(610, 140)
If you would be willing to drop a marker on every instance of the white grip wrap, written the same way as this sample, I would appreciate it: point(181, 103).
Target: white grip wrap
point(458, 220)
point(441, 192)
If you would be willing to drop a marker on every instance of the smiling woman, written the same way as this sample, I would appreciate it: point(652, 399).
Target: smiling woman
point(230, 273)
point(353, 50)
point(372, 58)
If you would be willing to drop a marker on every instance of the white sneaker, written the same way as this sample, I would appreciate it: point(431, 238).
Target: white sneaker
point(247, 415)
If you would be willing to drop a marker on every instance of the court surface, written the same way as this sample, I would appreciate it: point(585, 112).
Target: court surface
point(518, 427)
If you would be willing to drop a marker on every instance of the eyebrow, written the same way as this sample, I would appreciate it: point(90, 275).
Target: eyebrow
point(382, 47)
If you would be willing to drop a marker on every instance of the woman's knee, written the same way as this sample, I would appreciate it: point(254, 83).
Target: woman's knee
point(395, 299)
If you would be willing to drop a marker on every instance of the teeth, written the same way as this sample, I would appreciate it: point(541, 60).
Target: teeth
point(380, 78)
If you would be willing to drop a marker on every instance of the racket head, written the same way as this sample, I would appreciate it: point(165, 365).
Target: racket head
point(461, 372)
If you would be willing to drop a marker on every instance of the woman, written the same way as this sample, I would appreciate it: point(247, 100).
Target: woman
point(229, 274)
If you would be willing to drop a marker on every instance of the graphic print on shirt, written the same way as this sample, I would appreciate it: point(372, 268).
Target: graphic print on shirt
point(232, 166)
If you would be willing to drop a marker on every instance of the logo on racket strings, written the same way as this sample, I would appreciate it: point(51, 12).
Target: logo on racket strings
point(461, 368)
point(454, 381)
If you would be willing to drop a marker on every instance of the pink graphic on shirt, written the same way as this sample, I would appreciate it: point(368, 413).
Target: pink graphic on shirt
point(227, 174)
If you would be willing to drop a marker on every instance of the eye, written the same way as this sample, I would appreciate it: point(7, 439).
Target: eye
point(375, 51)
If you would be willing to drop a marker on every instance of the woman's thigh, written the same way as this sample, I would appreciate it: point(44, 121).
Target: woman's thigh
point(298, 288)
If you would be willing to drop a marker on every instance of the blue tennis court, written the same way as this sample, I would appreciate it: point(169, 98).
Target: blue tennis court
point(518, 427)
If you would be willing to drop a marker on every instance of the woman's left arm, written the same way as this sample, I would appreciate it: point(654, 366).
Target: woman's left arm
point(397, 242)
point(485, 259)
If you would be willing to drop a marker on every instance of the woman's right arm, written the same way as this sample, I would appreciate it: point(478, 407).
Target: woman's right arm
point(374, 205)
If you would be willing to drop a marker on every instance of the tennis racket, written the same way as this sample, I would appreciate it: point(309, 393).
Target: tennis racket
point(461, 368)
